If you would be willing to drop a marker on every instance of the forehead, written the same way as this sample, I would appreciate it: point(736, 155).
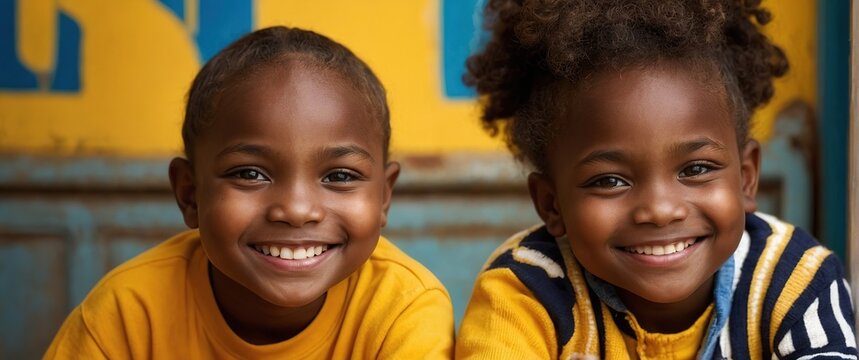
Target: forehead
point(289, 105)
point(645, 107)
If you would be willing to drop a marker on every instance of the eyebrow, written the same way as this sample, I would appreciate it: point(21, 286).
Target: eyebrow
point(695, 145)
point(347, 150)
point(327, 153)
point(603, 156)
point(617, 156)
point(244, 148)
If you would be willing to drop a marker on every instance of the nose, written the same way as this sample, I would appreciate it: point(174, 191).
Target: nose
point(296, 205)
point(660, 205)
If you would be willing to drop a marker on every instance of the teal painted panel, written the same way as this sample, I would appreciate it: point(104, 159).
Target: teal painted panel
point(54, 248)
point(453, 235)
point(122, 249)
point(455, 261)
point(833, 67)
point(786, 185)
point(428, 213)
point(33, 305)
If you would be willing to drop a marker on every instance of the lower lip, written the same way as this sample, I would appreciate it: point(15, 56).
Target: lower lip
point(664, 261)
point(296, 265)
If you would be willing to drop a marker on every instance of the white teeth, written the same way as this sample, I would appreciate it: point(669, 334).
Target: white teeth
point(287, 253)
point(661, 250)
point(670, 249)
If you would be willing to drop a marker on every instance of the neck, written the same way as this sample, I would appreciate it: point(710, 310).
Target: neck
point(669, 318)
point(254, 319)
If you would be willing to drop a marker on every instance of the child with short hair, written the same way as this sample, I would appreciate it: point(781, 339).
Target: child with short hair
point(634, 115)
point(287, 180)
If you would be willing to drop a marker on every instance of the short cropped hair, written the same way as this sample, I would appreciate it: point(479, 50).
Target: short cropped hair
point(272, 46)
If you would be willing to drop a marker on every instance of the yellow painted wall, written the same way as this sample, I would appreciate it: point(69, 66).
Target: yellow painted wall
point(138, 60)
point(136, 65)
point(794, 29)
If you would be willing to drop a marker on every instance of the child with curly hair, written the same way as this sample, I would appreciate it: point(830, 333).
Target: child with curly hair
point(634, 115)
point(286, 184)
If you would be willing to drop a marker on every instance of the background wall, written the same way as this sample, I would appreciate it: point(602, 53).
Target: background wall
point(108, 77)
point(91, 104)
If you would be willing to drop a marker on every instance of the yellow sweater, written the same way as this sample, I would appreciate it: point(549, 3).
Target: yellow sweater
point(160, 305)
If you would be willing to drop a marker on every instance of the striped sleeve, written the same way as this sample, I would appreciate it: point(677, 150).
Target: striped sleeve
point(819, 324)
point(790, 299)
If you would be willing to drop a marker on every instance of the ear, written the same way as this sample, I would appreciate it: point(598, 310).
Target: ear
point(750, 167)
point(545, 201)
point(184, 190)
point(392, 172)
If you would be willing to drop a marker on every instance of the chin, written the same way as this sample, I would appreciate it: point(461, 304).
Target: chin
point(292, 301)
point(290, 298)
point(667, 298)
point(662, 295)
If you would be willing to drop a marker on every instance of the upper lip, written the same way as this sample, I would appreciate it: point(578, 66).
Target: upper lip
point(303, 240)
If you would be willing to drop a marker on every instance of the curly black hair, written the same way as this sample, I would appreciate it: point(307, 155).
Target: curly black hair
point(275, 46)
point(538, 44)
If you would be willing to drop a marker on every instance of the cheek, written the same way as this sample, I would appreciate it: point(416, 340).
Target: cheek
point(359, 217)
point(724, 205)
point(226, 213)
point(360, 213)
point(590, 222)
point(724, 208)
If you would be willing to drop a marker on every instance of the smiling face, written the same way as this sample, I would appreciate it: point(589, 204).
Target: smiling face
point(290, 186)
point(648, 183)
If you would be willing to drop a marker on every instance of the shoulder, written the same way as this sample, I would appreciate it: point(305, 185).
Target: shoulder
point(529, 267)
point(404, 310)
point(785, 278)
point(126, 302)
point(148, 279)
point(391, 282)
point(773, 234)
point(167, 258)
point(529, 251)
point(528, 264)
point(524, 299)
point(779, 251)
point(534, 258)
point(390, 264)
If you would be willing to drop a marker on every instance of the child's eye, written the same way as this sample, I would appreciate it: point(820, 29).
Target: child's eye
point(340, 176)
point(249, 174)
point(695, 170)
point(608, 182)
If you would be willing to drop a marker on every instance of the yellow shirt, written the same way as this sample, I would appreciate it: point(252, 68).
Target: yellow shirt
point(682, 345)
point(160, 305)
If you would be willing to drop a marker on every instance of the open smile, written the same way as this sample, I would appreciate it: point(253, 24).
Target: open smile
point(662, 250)
point(291, 252)
point(663, 254)
point(294, 258)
